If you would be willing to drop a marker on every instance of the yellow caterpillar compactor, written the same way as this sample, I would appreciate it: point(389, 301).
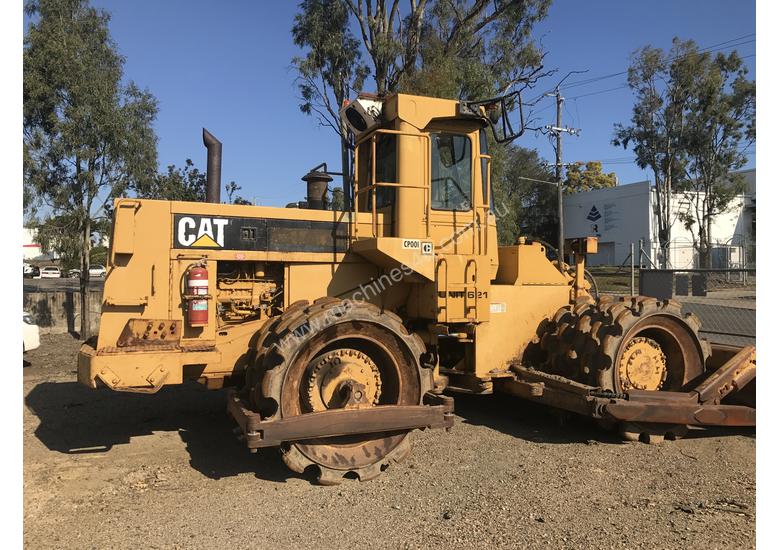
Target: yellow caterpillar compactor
point(338, 333)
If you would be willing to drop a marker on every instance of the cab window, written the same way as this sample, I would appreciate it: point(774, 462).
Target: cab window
point(386, 170)
point(450, 172)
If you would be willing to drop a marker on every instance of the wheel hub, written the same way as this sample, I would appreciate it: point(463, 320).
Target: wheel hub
point(642, 365)
point(343, 378)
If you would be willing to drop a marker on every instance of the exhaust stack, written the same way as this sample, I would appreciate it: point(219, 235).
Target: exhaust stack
point(213, 166)
point(317, 188)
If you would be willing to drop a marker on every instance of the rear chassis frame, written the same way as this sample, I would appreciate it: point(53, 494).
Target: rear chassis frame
point(702, 405)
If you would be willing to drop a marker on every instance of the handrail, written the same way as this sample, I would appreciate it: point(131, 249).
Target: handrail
point(375, 184)
point(486, 198)
point(472, 283)
point(388, 184)
point(440, 261)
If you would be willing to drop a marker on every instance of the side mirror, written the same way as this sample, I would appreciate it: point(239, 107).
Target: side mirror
point(497, 114)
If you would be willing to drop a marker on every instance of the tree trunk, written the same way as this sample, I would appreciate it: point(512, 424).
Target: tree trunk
point(663, 232)
point(668, 221)
point(86, 330)
point(704, 253)
point(709, 242)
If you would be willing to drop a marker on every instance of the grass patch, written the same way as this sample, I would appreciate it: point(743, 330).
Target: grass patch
point(609, 278)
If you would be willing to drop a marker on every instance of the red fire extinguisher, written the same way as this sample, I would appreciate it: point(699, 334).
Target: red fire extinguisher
point(197, 284)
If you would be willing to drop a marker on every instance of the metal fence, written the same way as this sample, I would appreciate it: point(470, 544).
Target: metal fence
point(738, 252)
point(723, 299)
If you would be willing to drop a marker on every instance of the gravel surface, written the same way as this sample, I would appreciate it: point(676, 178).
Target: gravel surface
point(111, 470)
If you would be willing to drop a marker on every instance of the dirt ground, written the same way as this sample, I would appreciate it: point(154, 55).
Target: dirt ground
point(109, 470)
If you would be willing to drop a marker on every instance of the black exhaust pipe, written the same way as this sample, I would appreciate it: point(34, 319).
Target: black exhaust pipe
point(213, 166)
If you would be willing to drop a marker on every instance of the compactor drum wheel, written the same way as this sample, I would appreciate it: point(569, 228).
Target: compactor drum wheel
point(626, 343)
point(331, 355)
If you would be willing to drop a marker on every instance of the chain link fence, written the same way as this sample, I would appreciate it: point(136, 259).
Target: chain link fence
point(723, 299)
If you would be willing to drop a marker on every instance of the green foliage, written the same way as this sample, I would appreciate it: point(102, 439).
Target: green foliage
point(693, 117)
point(87, 136)
point(60, 235)
point(592, 177)
point(523, 206)
point(478, 49)
point(720, 124)
point(448, 48)
point(337, 200)
point(472, 49)
point(656, 130)
point(187, 183)
point(232, 188)
point(332, 65)
point(98, 255)
point(176, 184)
point(466, 49)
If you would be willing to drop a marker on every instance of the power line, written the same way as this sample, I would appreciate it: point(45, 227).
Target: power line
point(623, 86)
point(712, 48)
point(537, 181)
point(600, 92)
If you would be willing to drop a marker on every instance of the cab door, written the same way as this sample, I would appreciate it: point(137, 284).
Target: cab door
point(458, 221)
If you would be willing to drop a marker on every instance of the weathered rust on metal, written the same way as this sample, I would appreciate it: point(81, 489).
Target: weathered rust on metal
point(335, 422)
point(678, 411)
point(552, 381)
point(341, 388)
point(467, 382)
point(156, 347)
point(637, 406)
point(519, 388)
point(149, 332)
point(553, 390)
point(734, 375)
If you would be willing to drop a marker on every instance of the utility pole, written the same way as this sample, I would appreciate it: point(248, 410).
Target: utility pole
point(558, 130)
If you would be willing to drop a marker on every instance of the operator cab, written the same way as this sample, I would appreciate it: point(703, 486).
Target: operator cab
point(419, 162)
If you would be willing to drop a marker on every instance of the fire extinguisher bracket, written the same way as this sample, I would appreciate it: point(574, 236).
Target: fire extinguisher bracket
point(196, 285)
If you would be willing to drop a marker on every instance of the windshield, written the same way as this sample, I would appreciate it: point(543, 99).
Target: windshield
point(450, 172)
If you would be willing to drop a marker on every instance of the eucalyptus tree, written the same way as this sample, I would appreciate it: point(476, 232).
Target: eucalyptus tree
point(693, 117)
point(88, 137)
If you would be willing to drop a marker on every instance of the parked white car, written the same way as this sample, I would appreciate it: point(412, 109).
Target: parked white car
point(30, 333)
point(50, 272)
point(97, 271)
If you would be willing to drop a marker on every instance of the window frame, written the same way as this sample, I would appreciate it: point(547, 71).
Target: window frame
point(433, 140)
point(385, 195)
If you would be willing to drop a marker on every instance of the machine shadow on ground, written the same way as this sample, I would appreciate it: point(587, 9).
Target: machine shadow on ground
point(75, 420)
point(539, 424)
point(529, 421)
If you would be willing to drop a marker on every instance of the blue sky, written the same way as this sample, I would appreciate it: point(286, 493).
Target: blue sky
point(226, 66)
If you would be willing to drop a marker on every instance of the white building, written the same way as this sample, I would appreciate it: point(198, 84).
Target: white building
point(30, 248)
point(622, 215)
